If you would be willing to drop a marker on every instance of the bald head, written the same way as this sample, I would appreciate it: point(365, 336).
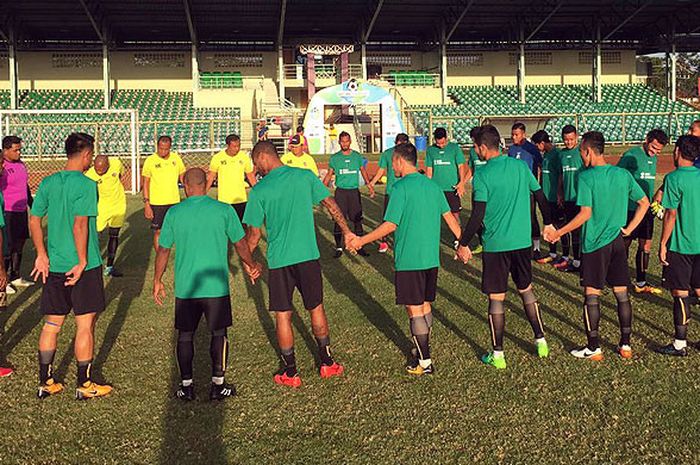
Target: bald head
point(195, 181)
point(101, 164)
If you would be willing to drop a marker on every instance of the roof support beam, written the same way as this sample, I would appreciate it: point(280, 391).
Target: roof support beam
point(190, 23)
point(627, 20)
point(280, 55)
point(283, 15)
point(12, 61)
point(368, 31)
point(95, 26)
point(544, 21)
point(452, 30)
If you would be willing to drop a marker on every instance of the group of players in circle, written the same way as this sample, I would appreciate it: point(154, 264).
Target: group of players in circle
point(595, 209)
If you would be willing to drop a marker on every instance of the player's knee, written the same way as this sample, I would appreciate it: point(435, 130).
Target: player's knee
point(496, 307)
point(185, 336)
point(592, 299)
point(52, 327)
point(528, 296)
point(219, 332)
point(621, 295)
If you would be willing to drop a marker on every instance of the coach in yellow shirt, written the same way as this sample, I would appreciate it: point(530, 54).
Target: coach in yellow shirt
point(297, 158)
point(232, 167)
point(161, 173)
point(111, 204)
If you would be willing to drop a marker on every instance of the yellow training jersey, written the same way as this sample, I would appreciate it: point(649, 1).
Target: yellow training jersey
point(110, 189)
point(231, 171)
point(164, 175)
point(305, 161)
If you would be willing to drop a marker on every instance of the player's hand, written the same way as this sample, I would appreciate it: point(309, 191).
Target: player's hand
point(254, 272)
point(158, 292)
point(625, 232)
point(351, 242)
point(148, 211)
point(663, 251)
point(41, 268)
point(74, 274)
point(459, 189)
point(463, 254)
point(550, 234)
point(371, 190)
point(657, 210)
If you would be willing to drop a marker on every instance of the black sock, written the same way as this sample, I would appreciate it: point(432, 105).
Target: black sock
point(84, 371)
point(681, 316)
point(112, 245)
point(289, 361)
point(218, 350)
point(565, 244)
point(429, 319)
point(338, 236)
point(553, 248)
point(324, 350)
point(624, 316)
point(185, 353)
point(576, 244)
point(16, 258)
point(359, 230)
point(497, 323)
point(8, 267)
point(532, 311)
point(421, 336)
point(591, 320)
point(46, 365)
point(641, 261)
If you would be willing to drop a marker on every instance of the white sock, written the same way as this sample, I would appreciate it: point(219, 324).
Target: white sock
point(552, 254)
point(218, 380)
point(576, 263)
point(641, 283)
point(679, 344)
point(187, 382)
point(536, 244)
point(425, 363)
point(540, 340)
point(498, 354)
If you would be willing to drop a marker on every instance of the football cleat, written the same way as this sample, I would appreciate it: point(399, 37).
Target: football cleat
point(9, 290)
point(545, 259)
point(113, 272)
point(560, 263)
point(585, 352)
point(284, 380)
point(647, 289)
point(221, 391)
point(497, 362)
point(185, 393)
point(625, 351)
point(570, 268)
point(383, 247)
point(338, 253)
point(328, 371)
point(90, 390)
point(5, 372)
point(21, 282)
point(542, 349)
point(670, 349)
point(50, 388)
point(417, 370)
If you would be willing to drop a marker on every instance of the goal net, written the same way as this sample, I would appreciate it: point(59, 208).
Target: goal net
point(43, 134)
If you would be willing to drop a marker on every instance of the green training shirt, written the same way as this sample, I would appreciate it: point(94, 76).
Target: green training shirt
point(551, 171)
point(682, 193)
point(346, 169)
point(445, 164)
point(200, 228)
point(607, 190)
point(283, 200)
point(416, 207)
point(571, 165)
point(385, 162)
point(642, 167)
point(61, 197)
point(474, 161)
point(505, 185)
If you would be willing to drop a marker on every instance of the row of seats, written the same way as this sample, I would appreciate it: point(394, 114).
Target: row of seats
point(160, 112)
point(412, 78)
point(560, 105)
point(221, 80)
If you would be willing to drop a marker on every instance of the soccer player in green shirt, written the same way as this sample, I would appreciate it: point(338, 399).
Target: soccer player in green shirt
point(474, 164)
point(283, 202)
point(201, 228)
point(551, 172)
point(71, 270)
point(679, 250)
point(446, 165)
point(347, 167)
point(571, 165)
point(385, 167)
point(641, 163)
point(415, 208)
point(502, 192)
point(602, 194)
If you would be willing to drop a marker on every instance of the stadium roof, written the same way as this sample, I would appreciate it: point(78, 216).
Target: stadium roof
point(645, 25)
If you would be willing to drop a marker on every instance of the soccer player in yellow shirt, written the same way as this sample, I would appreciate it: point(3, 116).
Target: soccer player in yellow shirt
point(297, 156)
point(111, 204)
point(232, 167)
point(161, 173)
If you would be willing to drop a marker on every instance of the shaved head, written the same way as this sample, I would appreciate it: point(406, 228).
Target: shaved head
point(195, 177)
point(101, 163)
point(265, 157)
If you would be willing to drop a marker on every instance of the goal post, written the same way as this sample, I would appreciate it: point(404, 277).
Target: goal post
point(43, 133)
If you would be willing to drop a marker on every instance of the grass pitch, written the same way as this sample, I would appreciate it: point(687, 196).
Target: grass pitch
point(558, 410)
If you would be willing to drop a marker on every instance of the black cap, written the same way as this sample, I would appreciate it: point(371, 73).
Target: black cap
point(440, 133)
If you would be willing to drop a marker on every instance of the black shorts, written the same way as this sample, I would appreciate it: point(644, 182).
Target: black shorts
point(645, 230)
point(159, 212)
point(557, 213)
point(305, 276)
point(240, 209)
point(415, 287)
point(216, 310)
point(350, 203)
point(682, 272)
point(453, 201)
point(16, 227)
point(87, 296)
point(606, 265)
point(498, 265)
